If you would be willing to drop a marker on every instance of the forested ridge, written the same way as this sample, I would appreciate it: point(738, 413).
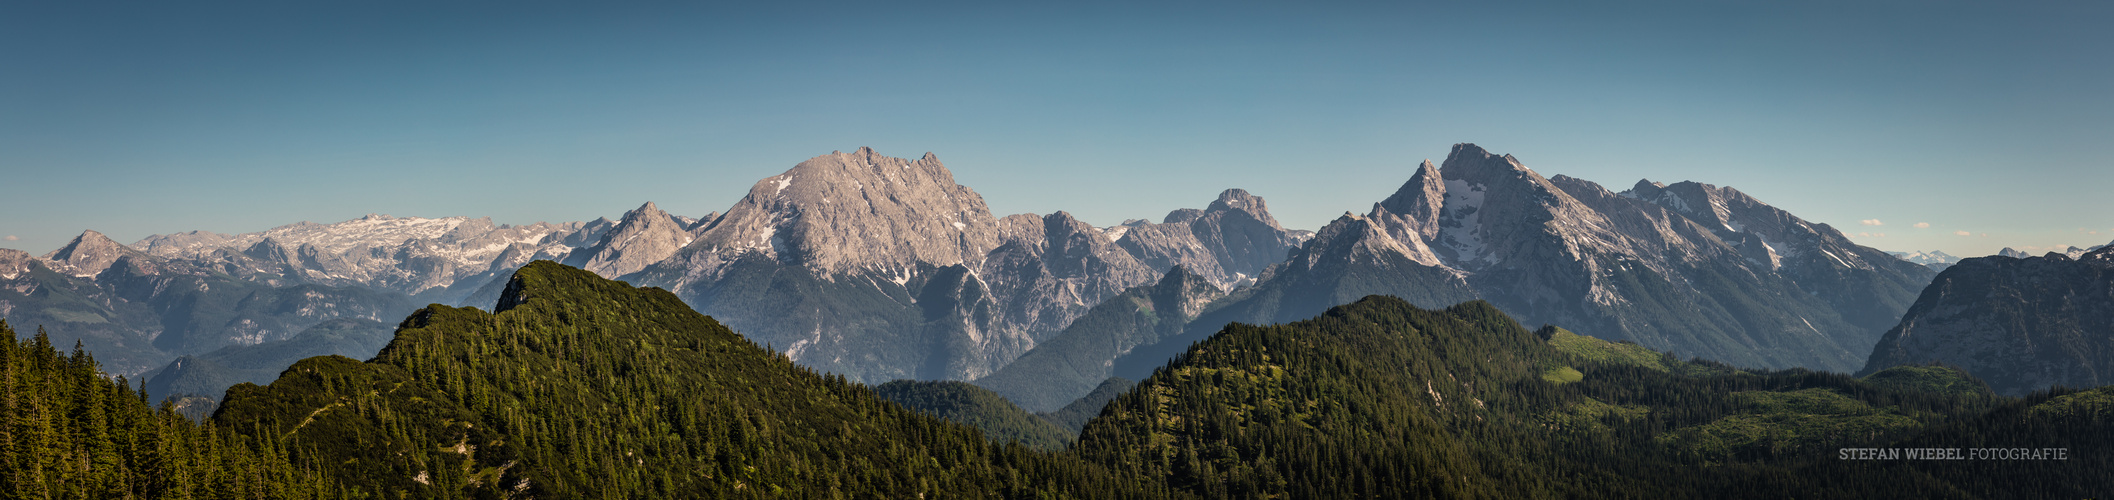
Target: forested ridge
point(1381, 398)
point(580, 387)
point(67, 431)
point(586, 387)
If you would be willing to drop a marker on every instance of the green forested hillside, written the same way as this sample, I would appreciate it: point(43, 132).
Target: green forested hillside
point(581, 386)
point(977, 407)
point(1932, 378)
point(68, 432)
point(584, 387)
point(1380, 398)
point(1074, 416)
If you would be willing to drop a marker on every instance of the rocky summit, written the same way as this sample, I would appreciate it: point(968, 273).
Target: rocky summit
point(858, 263)
point(645, 236)
point(88, 255)
point(1691, 268)
point(1229, 243)
point(878, 267)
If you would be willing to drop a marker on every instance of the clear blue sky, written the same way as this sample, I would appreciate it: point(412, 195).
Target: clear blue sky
point(135, 118)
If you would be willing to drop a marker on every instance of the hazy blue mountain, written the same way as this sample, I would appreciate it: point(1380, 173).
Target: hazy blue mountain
point(210, 374)
point(138, 311)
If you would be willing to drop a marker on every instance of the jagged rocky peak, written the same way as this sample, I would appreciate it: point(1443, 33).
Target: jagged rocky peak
point(700, 223)
point(1182, 216)
point(645, 211)
point(1707, 204)
point(845, 211)
point(1474, 165)
point(1067, 248)
point(1237, 199)
point(1763, 233)
point(1230, 242)
point(88, 254)
point(645, 236)
point(1070, 238)
point(1351, 238)
point(1420, 200)
point(1494, 202)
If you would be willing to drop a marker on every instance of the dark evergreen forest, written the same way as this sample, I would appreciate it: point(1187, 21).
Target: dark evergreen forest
point(581, 387)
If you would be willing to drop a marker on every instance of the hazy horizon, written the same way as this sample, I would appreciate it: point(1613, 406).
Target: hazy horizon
point(1872, 117)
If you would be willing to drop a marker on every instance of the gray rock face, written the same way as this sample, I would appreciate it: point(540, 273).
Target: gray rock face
point(1072, 363)
point(1867, 287)
point(2019, 324)
point(845, 212)
point(856, 263)
point(645, 236)
point(413, 255)
point(1052, 268)
point(880, 268)
point(1418, 203)
point(13, 264)
point(1692, 268)
point(88, 255)
point(1230, 242)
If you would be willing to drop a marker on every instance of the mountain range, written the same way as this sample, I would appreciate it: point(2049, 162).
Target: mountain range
point(1690, 268)
point(880, 268)
point(1935, 260)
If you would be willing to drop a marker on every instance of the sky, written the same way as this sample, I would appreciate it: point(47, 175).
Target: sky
point(1914, 125)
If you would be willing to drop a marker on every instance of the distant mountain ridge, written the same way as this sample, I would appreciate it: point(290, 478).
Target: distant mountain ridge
point(137, 311)
point(1935, 260)
point(2019, 324)
point(895, 270)
point(880, 268)
point(2072, 252)
point(412, 255)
